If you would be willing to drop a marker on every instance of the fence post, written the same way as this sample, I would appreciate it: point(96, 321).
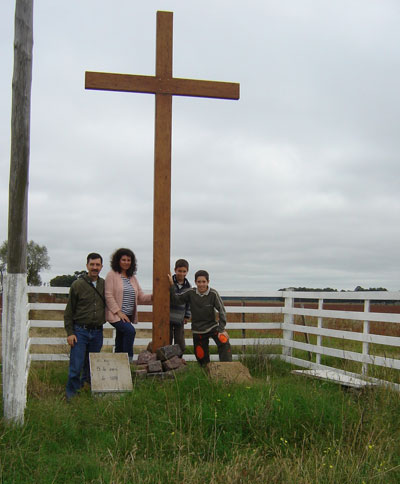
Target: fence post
point(287, 319)
point(365, 345)
point(319, 337)
point(243, 329)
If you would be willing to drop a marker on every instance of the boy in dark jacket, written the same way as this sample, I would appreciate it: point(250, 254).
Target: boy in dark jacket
point(204, 301)
point(179, 313)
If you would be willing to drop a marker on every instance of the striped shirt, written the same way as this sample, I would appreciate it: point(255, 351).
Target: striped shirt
point(129, 298)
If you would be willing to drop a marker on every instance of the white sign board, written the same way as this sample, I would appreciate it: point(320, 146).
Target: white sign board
point(110, 372)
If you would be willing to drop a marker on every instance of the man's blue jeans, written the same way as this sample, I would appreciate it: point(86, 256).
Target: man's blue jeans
point(88, 341)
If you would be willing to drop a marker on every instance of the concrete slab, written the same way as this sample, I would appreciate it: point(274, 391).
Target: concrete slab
point(335, 377)
point(110, 373)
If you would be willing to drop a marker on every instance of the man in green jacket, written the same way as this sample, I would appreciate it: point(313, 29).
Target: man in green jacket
point(84, 317)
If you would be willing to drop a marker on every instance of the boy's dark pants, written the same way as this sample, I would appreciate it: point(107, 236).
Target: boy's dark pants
point(177, 335)
point(201, 346)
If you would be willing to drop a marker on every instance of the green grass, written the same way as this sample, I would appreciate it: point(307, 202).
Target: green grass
point(279, 428)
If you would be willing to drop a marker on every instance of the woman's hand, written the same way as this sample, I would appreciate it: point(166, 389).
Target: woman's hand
point(123, 317)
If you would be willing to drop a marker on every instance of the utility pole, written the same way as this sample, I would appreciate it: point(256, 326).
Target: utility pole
point(15, 287)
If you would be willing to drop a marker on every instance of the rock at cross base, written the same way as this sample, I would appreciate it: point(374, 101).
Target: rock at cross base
point(144, 357)
point(169, 351)
point(173, 363)
point(229, 372)
point(154, 366)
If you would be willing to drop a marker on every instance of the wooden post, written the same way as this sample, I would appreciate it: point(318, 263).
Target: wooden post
point(319, 337)
point(164, 86)
point(306, 337)
point(365, 345)
point(243, 303)
point(15, 294)
point(288, 318)
point(162, 187)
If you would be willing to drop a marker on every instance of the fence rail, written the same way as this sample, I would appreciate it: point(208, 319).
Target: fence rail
point(281, 323)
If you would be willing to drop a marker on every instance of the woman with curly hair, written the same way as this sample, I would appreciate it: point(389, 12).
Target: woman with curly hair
point(123, 295)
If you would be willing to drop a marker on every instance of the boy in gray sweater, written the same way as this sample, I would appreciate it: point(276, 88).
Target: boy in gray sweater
point(203, 301)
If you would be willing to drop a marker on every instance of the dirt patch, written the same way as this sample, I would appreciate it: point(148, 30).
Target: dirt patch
point(229, 372)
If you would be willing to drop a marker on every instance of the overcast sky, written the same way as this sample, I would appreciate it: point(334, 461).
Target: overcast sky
point(295, 184)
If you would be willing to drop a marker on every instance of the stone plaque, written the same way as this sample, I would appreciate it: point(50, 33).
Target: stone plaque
point(110, 372)
point(229, 372)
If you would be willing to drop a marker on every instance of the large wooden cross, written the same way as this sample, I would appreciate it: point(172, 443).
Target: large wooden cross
point(164, 86)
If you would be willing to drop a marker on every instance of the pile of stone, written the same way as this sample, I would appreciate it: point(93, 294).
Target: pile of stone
point(163, 363)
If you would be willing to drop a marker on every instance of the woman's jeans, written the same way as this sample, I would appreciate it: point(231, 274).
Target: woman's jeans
point(88, 341)
point(124, 338)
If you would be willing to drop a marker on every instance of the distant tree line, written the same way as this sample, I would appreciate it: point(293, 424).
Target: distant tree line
point(330, 289)
point(309, 289)
point(66, 280)
point(359, 288)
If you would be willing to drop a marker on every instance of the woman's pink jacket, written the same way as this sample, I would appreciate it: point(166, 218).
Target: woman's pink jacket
point(114, 292)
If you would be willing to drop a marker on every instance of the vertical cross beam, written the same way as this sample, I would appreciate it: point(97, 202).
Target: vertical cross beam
point(162, 185)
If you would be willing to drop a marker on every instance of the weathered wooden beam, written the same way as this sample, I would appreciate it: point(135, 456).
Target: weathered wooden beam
point(162, 186)
point(20, 137)
point(14, 332)
point(15, 294)
point(154, 85)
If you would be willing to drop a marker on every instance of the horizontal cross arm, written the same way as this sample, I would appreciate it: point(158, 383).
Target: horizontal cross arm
point(197, 88)
point(154, 85)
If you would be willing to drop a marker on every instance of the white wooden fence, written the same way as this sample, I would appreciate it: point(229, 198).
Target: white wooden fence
point(292, 323)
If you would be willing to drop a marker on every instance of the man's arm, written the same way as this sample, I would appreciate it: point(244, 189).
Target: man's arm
point(69, 312)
